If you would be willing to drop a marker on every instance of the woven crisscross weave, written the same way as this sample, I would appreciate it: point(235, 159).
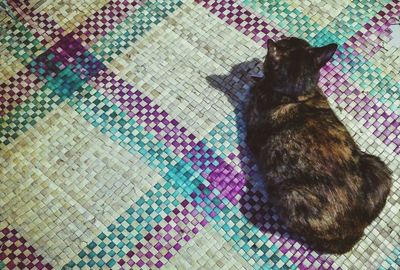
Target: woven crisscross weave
point(122, 139)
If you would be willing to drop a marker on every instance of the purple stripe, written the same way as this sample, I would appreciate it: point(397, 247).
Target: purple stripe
point(109, 15)
point(176, 135)
point(145, 112)
point(232, 13)
point(183, 233)
point(142, 108)
point(223, 177)
point(69, 48)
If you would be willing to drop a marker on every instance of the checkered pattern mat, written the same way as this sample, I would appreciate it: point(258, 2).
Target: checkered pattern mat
point(122, 137)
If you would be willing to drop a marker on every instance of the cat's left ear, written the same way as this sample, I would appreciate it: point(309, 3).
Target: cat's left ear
point(323, 54)
point(273, 51)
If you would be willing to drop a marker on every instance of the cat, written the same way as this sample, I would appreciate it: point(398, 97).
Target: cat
point(323, 186)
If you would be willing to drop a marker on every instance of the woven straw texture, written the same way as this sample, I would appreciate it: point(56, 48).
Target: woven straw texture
point(122, 136)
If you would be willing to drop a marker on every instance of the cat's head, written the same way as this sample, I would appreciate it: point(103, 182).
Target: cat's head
point(292, 65)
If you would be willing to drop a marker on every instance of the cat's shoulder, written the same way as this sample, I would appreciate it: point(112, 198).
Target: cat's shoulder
point(285, 111)
point(318, 101)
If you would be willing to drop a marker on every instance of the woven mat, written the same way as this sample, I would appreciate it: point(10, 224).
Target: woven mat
point(122, 139)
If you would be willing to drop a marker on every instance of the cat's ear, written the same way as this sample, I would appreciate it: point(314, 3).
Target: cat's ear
point(323, 54)
point(273, 50)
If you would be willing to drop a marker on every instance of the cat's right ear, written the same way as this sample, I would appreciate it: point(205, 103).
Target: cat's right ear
point(323, 54)
point(273, 51)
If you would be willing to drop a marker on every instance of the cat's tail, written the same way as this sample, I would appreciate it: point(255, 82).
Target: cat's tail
point(377, 184)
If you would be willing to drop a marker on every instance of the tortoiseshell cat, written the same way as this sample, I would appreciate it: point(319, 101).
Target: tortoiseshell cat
point(323, 186)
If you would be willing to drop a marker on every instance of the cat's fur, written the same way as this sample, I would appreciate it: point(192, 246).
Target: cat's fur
point(323, 186)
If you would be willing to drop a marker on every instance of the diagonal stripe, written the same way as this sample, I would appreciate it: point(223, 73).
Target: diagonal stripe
point(338, 30)
point(71, 92)
point(222, 176)
point(179, 175)
point(200, 164)
point(103, 21)
point(148, 15)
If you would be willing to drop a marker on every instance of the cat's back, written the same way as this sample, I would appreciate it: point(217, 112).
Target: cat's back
point(307, 137)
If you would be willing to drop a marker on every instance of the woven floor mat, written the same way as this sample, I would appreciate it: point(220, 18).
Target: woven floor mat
point(122, 136)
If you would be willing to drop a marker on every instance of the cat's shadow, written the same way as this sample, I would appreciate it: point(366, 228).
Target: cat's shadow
point(253, 203)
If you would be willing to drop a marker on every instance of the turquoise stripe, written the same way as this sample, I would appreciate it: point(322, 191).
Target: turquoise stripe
point(283, 14)
point(356, 16)
point(26, 115)
point(20, 50)
point(70, 79)
point(151, 153)
point(181, 180)
point(133, 27)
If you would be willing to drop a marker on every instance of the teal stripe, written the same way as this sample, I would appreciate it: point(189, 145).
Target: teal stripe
point(135, 138)
point(133, 27)
point(357, 14)
point(17, 44)
point(180, 177)
point(57, 88)
point(282, 14)
point(27, 114)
